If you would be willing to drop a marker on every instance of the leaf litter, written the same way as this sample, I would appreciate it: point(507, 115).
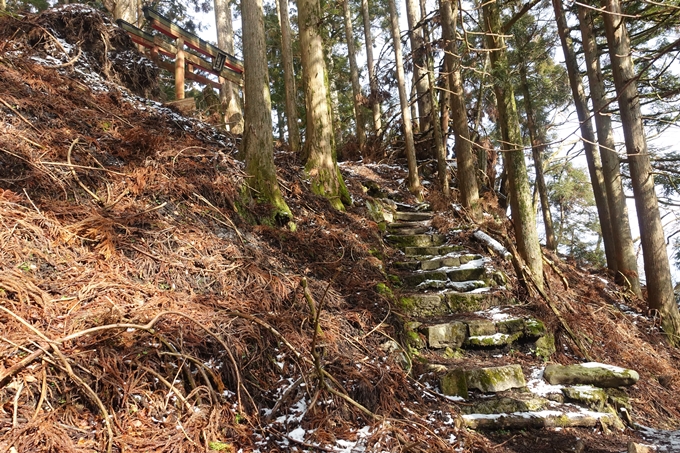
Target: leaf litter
point(141, 313)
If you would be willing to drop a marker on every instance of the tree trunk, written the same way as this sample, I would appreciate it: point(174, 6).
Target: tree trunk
point(465, 157)
point(289, 76)
point(593, 159)
point(413, 179)
point(420, 80)
point(229, 95)
point(657, 268)
point(258, 143)
point(319, 149)
point(537, 149)
point(375, 97)
point(523, 216)
point(611, 167)
point(354, 74)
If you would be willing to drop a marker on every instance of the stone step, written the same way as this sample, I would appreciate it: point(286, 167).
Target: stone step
point(416, 240)
point(420, 207)
point(428, 264)
point(444, 285)
point(471, 332)
point(413, 216)
point(450, 302)
point(446, 275)
point(396, 226)
point(540, 419)
point(408, 230)
point(432, 250)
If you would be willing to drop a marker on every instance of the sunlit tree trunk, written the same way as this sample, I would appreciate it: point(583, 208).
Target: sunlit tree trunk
point(289, 76)
point(657, 267)
point(258, 143)
point(523, 215)
point(229, 93)
point(319, 148)
point(537, 149)
point(375, 101)
point(586, 126)
point(413, 179)
point(354, 75)
point(465, 157)
point(611, 166)
point(420, 80)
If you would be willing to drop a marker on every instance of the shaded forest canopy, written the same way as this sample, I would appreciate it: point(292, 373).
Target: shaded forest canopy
point(131, 286)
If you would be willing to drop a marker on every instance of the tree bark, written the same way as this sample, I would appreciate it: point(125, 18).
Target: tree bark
point(465, 157)
point(413, 180)
point(537, 149)
point(586, 126)
point(229, 95)
point(319, 149)
point(289, 76)
point(611, 167)
point(375, 101)
point(354, 75)
point(420, 80)
point(258, 140)
point(657, 267)
point(523, 215)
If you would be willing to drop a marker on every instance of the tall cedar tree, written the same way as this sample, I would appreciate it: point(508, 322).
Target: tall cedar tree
point(586, 126)
point(288, 76)
point(413, 180)
point(258, 142)
point(370, 63)
point(513, 153)
point(626, 261)
point(229, 93)
point(319, 149)
point(420, 80)
point(354, 75)
point(657, 267)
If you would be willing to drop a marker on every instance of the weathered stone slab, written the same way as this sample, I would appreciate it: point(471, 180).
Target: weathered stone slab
point(505, 405)
point(412, 216)
point(454, 383)
point(450, 335)
point(464, 274)
point(460, 302)
point(538, 419)
point(413, 280)
point(534, 328)
point(545, 346)
point(592, 373)
point(493, 341)
point(432, 250)
point(496, 379)
point(590, 396)
point(462, 287)
point(408, 230)
point(481, 327)
point(407, 265)
point(449, 261)
point(424, 304)
point(415, 240)
point(510, 326)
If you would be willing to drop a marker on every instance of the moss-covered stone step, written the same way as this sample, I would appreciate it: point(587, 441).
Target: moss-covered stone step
point(415, 240)
point(432, 250)
point(518, 402)
point(420, 207)
point(540, 419)
point(460, 302)
point(429, 264)
point(472, 332)
point(466, 272)
point(415, 279)
point(402, 230)
point(412, 216)
point(442, 285)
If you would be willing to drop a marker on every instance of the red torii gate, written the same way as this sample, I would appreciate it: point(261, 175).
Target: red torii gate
point(225, 66)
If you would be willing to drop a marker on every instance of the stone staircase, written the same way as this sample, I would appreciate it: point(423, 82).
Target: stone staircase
point(463, 321)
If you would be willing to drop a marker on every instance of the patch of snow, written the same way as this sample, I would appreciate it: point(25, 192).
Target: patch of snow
point(297, 434)
point(612, 368)
point(538, 386)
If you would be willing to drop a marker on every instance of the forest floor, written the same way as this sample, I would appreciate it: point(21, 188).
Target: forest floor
point(140, 312)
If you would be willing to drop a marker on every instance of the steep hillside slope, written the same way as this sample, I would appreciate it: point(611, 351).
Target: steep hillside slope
point(140, 312)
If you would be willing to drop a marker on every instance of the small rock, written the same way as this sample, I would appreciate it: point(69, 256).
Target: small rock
point(545, 346)
point(454, 383)
point(639, 448)
point(446, 335)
